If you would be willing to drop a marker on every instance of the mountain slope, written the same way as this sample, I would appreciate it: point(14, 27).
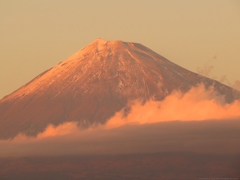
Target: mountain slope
point(93, 84)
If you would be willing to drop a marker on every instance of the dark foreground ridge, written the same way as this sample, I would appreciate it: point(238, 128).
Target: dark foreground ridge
point(167, 166)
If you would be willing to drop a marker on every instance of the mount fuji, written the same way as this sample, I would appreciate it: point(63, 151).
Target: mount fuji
point(95, 83)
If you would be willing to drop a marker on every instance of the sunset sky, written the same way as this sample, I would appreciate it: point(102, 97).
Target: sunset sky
point(37, 35)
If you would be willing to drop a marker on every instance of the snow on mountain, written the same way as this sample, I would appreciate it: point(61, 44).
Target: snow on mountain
point(93, 84)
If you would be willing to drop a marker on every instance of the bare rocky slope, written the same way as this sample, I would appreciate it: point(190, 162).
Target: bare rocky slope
point(93, 84)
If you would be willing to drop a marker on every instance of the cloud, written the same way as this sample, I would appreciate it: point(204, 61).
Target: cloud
point(63, 129)
point(207, 70)
point(198, 121)
point(208, 136)
point(236, 85)
point(197, 104)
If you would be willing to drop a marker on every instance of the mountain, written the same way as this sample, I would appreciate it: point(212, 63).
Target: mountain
point(93, 84)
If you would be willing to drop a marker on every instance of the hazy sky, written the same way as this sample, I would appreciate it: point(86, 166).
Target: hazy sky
point(38, 34)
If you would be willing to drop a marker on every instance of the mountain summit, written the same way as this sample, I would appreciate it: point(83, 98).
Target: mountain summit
point(93, 84)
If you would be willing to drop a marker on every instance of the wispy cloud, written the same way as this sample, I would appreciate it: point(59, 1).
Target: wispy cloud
point(207, 70)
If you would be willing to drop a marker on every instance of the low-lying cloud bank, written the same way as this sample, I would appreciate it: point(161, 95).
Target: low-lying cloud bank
point(197, 104)
point(198, 121)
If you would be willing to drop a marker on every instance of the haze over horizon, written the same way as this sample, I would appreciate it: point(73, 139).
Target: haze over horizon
point(37, 35)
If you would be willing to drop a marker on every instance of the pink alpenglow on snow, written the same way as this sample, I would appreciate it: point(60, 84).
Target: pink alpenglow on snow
point(102, 80)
